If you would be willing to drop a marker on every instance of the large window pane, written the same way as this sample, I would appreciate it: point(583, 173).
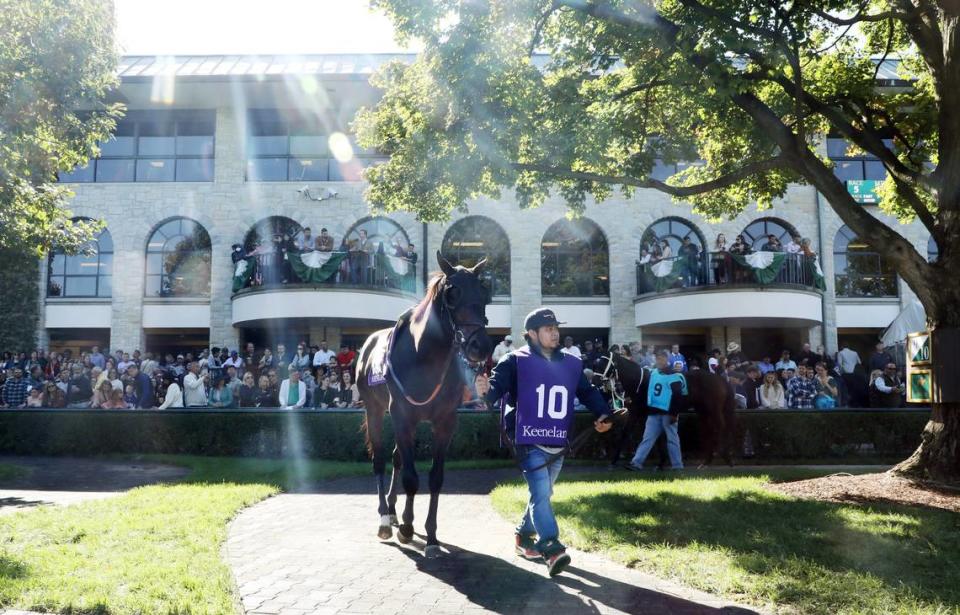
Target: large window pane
point(874, 170)
point(195, 170)
point(847, 170)
point(57, 264)
point(195, 146)
point(158, 170)
point(268, 146)
point(267, 169)
point(310, 145)
point(106, 286)
point(157, 146)
point(309, 169)
point(837, 148)
point(118, 146)
point(153, 286)
point(81, 173)
point(114, 170)
point(81, 286)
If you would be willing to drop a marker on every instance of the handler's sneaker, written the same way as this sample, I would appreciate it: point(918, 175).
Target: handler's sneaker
point(557, 562)
point(526, 547)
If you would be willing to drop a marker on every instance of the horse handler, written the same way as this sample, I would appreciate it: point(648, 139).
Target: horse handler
point(540, 382)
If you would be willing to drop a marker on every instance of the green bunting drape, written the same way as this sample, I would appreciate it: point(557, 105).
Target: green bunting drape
point(242, 273)
point(766, 266)
point(813, 270)
point(665, 273)
point(397, 272)
point(315, 267)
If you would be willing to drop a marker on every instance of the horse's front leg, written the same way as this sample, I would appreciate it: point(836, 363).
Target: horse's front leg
point(442, 434)
point(394, 487)
point(406, 435)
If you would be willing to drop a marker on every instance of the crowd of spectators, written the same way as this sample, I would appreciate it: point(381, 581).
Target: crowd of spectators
point(717, 266)
point(307, 377)
point(271, 262)
point(810, 379)
point(318, 377)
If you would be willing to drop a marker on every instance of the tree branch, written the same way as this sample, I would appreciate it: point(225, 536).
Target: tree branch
point(723, 181)
point(539, 25)
point(860, 17)
point(925, 216)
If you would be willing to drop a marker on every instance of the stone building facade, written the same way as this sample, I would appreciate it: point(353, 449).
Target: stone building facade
point(230, 205)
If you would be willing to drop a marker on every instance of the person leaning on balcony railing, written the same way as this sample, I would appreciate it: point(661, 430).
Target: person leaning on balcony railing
point(324, 242)
point(720, 258)
point(305, 242)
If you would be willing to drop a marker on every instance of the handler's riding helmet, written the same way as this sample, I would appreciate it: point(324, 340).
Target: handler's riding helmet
point(543, 317)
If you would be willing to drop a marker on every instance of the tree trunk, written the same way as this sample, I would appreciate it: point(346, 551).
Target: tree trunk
point(938, 456)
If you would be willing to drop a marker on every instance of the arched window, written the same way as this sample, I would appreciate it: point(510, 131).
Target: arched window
point(757, 234)
point(859, 271)
point(379, 232)
point(673, 231)
point(85, 274)
point(264, 231)
point(474, 238)
point(933, 250)
point(178, 260)
point(574, 261)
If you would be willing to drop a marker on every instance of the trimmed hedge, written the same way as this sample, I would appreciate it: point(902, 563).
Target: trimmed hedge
point(337, 435)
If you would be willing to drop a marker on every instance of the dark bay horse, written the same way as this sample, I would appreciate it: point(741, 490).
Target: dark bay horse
point(709, 395)
point(423, 381)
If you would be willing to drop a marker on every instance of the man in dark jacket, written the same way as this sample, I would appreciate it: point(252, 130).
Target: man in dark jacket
point(751, 387)
point(539, 383)
point(142, 387)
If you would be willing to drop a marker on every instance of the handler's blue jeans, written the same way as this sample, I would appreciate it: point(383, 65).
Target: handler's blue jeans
point(657, 424)
point(538, 518)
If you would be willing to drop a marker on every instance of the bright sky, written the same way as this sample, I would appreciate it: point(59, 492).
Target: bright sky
point(160, 27)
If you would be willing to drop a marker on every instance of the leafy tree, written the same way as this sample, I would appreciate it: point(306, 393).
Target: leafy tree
point(56, 58)
point(751, 88)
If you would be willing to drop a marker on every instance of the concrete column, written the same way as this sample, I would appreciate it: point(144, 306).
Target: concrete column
point(229, 161)
point(41, 336)
point(126, 323)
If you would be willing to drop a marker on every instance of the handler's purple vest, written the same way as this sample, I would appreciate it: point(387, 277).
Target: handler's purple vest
point(545, 393)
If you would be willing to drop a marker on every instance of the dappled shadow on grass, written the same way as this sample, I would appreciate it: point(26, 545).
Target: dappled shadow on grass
point(11, 568)
point(815, 554)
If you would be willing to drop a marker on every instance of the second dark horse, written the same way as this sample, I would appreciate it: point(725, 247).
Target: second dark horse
point(709, 395)
point(423, 382)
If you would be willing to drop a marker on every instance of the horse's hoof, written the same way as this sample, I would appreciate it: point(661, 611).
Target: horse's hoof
point(385, 532)
point(432, 551)
point(394, 521)
point(405, 534)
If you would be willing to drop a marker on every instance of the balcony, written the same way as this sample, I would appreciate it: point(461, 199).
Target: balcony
point(760, 289)
point(363, 287)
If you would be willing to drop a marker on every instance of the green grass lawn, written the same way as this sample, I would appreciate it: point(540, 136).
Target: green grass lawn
point(727, 535)
point(153, 550)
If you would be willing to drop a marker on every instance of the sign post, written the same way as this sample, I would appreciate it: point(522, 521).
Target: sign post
point(919, 367)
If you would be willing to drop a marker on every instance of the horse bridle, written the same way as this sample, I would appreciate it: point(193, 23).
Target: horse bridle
point(610, 380)
point(457, 344)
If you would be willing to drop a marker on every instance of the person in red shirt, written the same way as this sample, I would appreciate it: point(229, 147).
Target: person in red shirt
point(346, 356)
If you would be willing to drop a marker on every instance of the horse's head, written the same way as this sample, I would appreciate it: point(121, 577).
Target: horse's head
point(465, 299)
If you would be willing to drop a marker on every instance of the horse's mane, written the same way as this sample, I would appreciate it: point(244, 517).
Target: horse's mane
point(431, 294)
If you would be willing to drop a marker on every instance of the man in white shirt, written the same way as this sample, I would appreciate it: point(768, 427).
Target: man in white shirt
point(234, 361)
point(194, 391)
point(502, 349)
point(847, 359)
point(569, 348)
point(293, 392)
point(323, 356)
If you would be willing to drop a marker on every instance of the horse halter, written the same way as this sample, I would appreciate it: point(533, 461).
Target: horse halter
point(459, 339)
point(610, 380)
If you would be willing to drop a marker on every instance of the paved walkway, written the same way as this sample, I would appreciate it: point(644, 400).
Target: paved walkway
point(318, 554)
point(68, 480)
